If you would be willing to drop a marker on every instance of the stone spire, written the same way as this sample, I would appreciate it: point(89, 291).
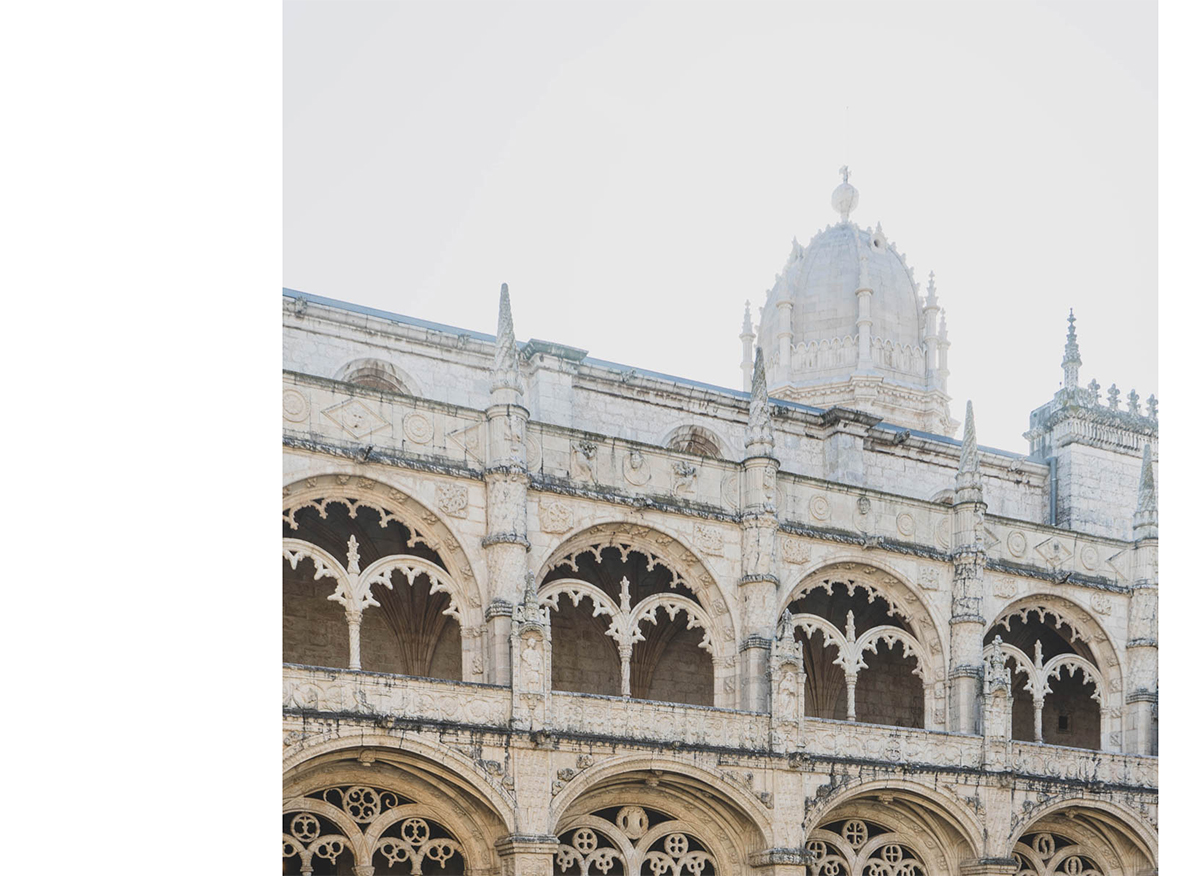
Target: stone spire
point(506, 375)
point(760, 433)
point(1071, 360)
point(931, 294)
point(747, 339)
point(968, 484)
point(1145, 519)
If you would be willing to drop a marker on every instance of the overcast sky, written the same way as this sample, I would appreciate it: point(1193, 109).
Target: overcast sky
point(635, 172)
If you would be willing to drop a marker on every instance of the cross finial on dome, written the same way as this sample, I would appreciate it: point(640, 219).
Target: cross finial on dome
point(845, 196)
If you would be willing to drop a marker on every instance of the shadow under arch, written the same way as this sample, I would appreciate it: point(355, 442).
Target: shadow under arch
point(1116, 817)
point(391, 502)
point(730, 818)
point(938, 821)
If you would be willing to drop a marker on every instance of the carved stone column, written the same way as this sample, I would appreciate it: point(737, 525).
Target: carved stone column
point(759, 583)
point(966, 619)
point(997, 708)
point(506, 478)
point(530, 638)
point(787, 689)
point(1141, 697)
point(784, 306)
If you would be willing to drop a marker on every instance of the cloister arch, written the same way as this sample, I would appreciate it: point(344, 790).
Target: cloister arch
point(855, 831)
point(857, 623)
point(634, 602)
point(1077, 657)
point(429, 566)
point(394, 809)
point(640, 803)
point(1104, 837)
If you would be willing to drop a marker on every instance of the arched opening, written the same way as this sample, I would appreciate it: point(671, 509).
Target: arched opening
point(408, 624)
point(1082, 840)
point(374, 374)
point(890, 830)
point(655, 821)
point(396, 811)
point(862, 660)
point(695, 440)
point(1056, 686)
point(622, 626)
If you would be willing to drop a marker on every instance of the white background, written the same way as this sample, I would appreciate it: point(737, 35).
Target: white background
point(141, 264)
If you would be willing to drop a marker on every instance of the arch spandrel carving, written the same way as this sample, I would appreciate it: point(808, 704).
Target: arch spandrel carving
point(1084, 626)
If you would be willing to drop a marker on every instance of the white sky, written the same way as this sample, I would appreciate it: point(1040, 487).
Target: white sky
point(635, 172)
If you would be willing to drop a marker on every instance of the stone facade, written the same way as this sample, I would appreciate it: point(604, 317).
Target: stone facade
point(544, 614)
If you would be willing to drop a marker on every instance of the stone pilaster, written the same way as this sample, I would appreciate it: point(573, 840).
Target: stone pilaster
point(787, 689)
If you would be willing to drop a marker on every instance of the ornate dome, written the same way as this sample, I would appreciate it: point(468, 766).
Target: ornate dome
point(845, 324)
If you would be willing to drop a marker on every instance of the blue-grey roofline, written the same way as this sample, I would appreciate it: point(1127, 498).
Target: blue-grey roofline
point(615, 366)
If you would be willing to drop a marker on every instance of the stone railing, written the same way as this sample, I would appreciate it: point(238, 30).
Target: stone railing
point(644, 720)
point(374, 695)
point(342, 691)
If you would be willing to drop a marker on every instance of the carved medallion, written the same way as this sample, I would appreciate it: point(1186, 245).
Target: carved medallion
point(795, 551)
point(905, 524)
point(1005, 588)
point(1017, 545)
point(818, 507)
point(295, 406)
point(942, 533)
point(636, 468)
point(555, 516)
point(709, 540)
point(1102, 603)
point(452, 499)
point(929, 579)
point(418, 428)
point(1089, 557)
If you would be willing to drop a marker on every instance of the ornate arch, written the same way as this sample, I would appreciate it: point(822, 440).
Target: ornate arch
point(663, 549)
point(903, 601)
point(728, 822)
point(475, 780)
point(458, 580)
point(940, 817)
point(1082, 625)
point(725, 800)
point(1099, 823)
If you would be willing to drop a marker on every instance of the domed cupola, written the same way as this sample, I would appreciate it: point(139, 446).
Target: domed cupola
point(845, 324)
